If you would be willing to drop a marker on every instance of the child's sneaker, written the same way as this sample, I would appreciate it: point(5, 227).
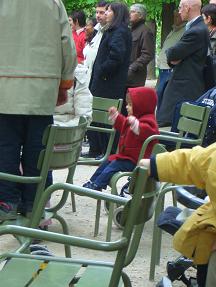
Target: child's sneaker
point(7, 211)
point(92, 185)
point(96, 187)
point(88, 184)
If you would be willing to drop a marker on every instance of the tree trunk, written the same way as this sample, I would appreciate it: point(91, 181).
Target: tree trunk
point(167, 20)
point(151, 66)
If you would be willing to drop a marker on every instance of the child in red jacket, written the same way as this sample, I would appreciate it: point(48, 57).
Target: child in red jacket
point(134, 130)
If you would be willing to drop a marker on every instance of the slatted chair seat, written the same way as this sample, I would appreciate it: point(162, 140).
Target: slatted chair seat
point(35, 273)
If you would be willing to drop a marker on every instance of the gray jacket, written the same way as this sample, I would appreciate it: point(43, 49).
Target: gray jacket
point(37, 55)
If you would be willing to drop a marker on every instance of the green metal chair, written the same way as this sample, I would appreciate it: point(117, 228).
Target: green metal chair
point(62, 147)
point(158, 148)
point(193, 120)
point(34, 270)
point(100, 115)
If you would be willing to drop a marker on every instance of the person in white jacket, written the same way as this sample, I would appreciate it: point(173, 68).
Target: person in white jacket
point(79, 101)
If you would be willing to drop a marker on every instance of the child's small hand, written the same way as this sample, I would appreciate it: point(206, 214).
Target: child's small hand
point(131, 120)
point(112, 110)
point(113, 114)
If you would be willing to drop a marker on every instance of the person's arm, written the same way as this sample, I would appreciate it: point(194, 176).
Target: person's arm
point(69, 60)
point(185, 47)
point(116, 118)
point(82, 97)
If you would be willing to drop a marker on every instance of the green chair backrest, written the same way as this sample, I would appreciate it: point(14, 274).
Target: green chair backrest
point(100, 108)
point(193, 120)
point(100, 116)
point(62, 146)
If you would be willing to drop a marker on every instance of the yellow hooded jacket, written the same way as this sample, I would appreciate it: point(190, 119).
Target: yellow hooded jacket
point(195, 166)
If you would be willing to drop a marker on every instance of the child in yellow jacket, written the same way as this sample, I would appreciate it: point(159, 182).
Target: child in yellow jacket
point(196, 238)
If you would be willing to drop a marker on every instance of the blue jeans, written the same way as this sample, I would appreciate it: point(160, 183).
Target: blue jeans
point(164, 75)
point(106, 170)
point(21, 143)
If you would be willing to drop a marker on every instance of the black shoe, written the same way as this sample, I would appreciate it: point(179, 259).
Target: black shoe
point(125, 188)
point(99, 156)
point(88, 184)
point(37, 249)
point(92, 185)
point(89, 154)
point(96, 187)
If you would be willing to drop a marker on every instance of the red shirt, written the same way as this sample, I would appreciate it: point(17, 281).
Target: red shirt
point(80, 41)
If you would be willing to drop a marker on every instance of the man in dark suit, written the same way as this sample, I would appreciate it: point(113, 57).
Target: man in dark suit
point(187, 58)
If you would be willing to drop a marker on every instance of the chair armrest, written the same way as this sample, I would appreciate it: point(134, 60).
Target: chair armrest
point(169, 133)
point(19, 178)
point(176, 139)
point(63, 239)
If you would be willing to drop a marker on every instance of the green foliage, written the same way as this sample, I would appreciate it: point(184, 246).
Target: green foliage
point(154, 7)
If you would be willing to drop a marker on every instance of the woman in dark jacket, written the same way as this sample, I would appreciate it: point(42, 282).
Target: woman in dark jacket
point(109, 75)
point(111, 64)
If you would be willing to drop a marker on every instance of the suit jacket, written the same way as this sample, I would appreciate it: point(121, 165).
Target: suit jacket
point(187, 81)
point(110, 68)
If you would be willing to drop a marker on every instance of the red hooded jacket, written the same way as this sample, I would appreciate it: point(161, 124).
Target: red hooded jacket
point(144, 102)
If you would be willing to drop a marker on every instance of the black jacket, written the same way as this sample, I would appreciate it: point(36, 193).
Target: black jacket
point(187, 81)
point(110, 69)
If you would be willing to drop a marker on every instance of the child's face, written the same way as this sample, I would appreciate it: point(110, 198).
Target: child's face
point(129, 106)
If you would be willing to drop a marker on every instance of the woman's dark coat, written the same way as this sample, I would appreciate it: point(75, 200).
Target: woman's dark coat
point(110, 69)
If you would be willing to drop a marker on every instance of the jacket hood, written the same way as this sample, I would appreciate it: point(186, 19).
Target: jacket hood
point(144, 100)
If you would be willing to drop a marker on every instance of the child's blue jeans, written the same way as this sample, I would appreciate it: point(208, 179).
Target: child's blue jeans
point(106, 170)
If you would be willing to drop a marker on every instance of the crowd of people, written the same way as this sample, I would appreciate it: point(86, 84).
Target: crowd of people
point(53, 72)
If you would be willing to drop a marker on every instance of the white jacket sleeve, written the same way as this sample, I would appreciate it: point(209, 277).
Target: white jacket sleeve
point(82, 95)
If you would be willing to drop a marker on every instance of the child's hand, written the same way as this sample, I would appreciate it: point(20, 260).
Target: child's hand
point(131, 120)
point(113, 114)
point(112, 110)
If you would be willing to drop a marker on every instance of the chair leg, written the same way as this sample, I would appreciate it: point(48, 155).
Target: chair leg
point(109, 223)
point(126, 280)
point(97, 218)
point(174, 198)
point(65, 231)
point(73, 202)
point(156, 241)
point(153, 252)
